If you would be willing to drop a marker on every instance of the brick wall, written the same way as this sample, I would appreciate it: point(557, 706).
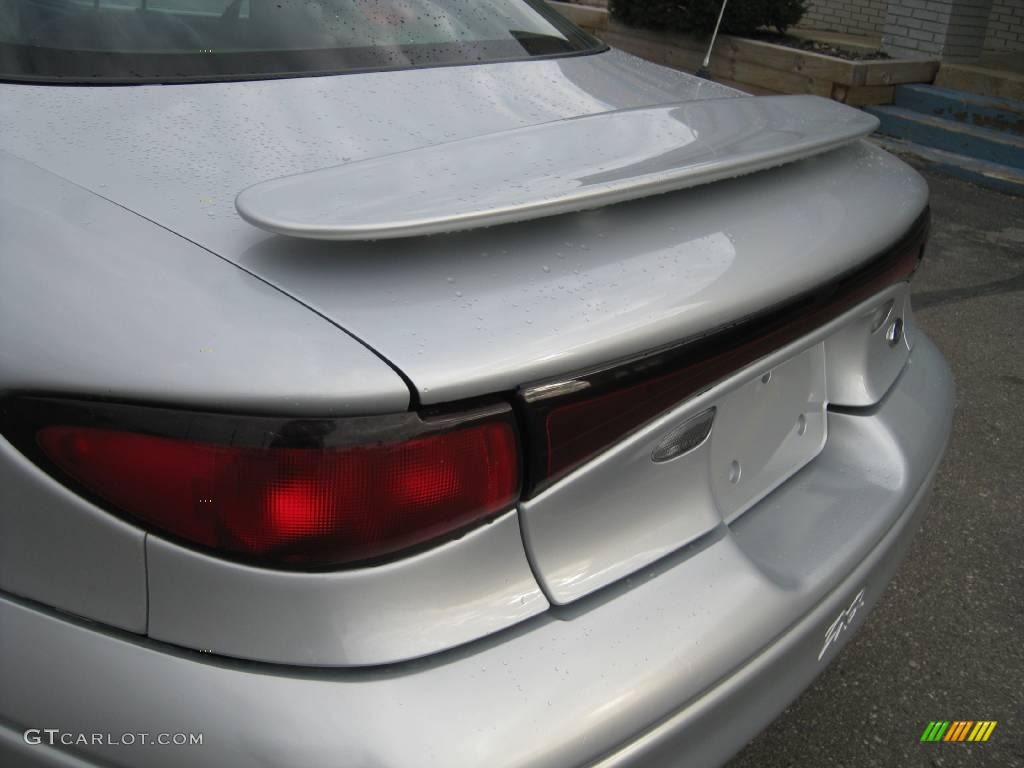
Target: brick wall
point(954, 29)
point(905, 32)
point(951, 28)
point(1005, 26)
point(856, 17)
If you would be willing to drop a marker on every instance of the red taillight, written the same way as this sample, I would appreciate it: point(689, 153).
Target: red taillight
point(299, 506)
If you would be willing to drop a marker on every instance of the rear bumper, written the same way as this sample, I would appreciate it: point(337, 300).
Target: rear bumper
point(681, 664)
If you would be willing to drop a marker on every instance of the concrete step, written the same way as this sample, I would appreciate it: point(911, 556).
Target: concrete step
point(975, 109)
point(1002, 178)
point(951, 136)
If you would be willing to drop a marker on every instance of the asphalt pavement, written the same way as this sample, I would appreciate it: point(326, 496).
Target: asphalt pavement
point(946, 642)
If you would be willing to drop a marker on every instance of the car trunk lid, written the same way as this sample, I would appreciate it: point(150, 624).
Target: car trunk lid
point(489, 309)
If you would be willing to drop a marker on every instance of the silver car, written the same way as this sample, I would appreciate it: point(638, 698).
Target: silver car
point(421, 383)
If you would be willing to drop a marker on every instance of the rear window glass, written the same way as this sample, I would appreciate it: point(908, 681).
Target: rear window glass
point(135, 41)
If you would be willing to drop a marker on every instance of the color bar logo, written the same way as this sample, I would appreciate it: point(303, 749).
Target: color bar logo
point(958, 730)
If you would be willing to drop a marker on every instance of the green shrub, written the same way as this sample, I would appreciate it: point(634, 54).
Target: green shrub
point(742, 17)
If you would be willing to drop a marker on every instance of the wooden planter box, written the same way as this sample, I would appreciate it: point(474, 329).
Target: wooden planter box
point(758, 67)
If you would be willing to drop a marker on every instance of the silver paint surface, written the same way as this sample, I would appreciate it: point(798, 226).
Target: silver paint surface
point(59, 550)
point(550, 168)
point(120, 255)
point(768, 428)
point(588, 531)
point(96, 301)
point(446, 596)
point(216, 139)
point(672, 654)
point(491, 309)
point(860, 363)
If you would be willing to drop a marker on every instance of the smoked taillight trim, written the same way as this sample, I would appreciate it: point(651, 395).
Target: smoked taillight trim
point(297, 494)
point(571, 420)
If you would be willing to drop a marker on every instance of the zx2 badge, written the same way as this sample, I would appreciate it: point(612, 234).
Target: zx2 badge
point(843, 620)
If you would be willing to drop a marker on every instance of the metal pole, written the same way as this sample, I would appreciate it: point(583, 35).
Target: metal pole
point(704, 71)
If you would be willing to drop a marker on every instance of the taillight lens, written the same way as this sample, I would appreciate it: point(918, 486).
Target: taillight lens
point(570, 422)
point(305, 494)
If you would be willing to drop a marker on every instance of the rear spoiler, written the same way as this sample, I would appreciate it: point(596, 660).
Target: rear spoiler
point(551, 168)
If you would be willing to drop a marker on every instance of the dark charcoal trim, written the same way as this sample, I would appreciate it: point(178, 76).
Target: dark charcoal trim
point(664, 377)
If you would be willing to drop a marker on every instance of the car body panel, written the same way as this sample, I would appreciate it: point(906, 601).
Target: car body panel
point(726, 626)
point(216, 139)
point(48, 531)
point(98, 302)
point(486, 310)
point(581, 535)
point(714, 727)
point(494, 309)
point(411, 607)
point(786, 401)
point(550, 168)
point(585, 532)
point(859, 361)
point(128, 255)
